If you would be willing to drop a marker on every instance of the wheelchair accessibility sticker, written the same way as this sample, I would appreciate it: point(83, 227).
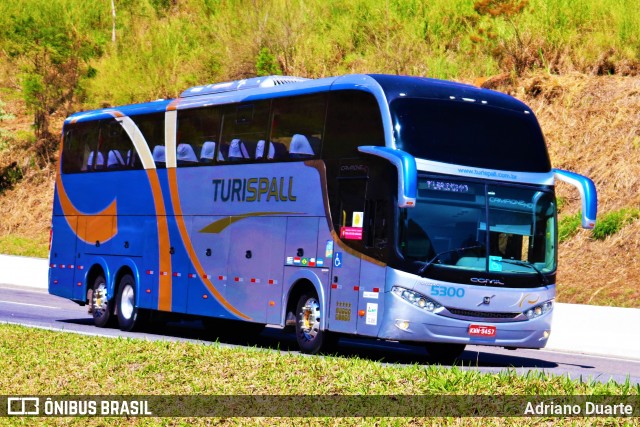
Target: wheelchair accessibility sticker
point(337, 260)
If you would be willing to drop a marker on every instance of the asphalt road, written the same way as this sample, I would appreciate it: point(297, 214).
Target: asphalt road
point(35, 307)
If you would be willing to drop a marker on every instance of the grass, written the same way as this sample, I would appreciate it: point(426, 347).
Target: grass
point(568, 226)
point(40, 362)
point(21, 246)
point(612, 222)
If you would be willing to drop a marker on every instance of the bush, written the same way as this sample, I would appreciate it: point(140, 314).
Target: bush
point(610, 223)
point(568, 227)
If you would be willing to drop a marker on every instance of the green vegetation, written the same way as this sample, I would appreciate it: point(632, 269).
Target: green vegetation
point(612, 222)
point(32, 361)
point(608, 223)
point(21, 246)
point(67, 60)
point(568, 226)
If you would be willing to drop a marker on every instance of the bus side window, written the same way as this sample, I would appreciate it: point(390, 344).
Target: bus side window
point(353, 119)
point(152, 128)
point(244, 126)
point(350, 219)
point(198, 131)
point(113, 144)
point(297, 127)
point(79, 147)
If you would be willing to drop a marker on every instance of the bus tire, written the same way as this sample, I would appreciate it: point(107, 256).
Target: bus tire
point(101, 307)
point(128, 312)
point(311, 339)
point(445, 353)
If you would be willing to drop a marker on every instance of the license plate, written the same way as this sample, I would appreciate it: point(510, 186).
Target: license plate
point(482, 331)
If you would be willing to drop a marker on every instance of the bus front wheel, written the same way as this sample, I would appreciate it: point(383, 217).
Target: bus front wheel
point(311, 339)
point(128, 312)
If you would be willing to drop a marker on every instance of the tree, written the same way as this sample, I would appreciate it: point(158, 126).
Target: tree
point(53, 58)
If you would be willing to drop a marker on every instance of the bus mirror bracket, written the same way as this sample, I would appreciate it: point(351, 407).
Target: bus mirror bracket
point(588, 194)
point(407, 172)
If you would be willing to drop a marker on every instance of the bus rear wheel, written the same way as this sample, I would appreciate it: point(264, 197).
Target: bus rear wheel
point(311, 339)
point(446, 353)
point(128, 312)
point(101, 307)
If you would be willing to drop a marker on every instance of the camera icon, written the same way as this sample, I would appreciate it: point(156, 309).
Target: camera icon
point(23, 406)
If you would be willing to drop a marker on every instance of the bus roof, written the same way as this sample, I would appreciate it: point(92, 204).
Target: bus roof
point(385, 87)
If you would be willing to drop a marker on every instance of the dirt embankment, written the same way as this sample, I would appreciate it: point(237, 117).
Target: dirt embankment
point(592, 126)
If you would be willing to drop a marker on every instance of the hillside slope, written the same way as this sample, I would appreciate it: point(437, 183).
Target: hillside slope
point(592, 126)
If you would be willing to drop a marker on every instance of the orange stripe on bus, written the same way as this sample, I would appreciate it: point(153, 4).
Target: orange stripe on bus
point(164, 294)
point(99, 226)
point(177, 209)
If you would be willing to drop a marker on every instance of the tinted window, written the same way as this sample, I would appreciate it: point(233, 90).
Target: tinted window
point(152, 128)
point(97, 146)
point(353, 119)
point(470, 134)
point(243, 127)
point(297, 127)
point(198, 136)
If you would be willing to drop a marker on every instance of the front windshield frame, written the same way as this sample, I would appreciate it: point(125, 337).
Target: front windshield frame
point(454, 213)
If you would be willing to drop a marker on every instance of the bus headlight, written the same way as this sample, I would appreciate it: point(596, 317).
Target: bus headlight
point(416, 298)
point(539, 310)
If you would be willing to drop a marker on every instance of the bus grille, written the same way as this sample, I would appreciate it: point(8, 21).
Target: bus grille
point(482, 314)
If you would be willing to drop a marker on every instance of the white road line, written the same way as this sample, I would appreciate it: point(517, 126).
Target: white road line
point(30, 305)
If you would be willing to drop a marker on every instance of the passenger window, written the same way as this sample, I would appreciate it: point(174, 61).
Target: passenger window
point(152, 128)
point(100, 145)
point(244, 127)
point(198, 133)
point(297, 126)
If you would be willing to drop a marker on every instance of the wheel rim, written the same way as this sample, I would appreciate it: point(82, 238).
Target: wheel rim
point(126, 302)
point(100, 301)
point(310, 319)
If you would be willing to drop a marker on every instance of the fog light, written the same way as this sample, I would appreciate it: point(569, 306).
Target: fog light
point(402, 324)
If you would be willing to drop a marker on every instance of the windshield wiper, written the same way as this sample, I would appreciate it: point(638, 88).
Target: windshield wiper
point(459, 250)
point(527, 264)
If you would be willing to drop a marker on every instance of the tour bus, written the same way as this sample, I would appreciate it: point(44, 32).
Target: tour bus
point(398, 208)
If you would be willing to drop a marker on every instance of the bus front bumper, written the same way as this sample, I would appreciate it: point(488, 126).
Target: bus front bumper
point(406, 322)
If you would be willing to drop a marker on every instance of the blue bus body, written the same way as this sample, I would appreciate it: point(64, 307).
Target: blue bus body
point(399, 208)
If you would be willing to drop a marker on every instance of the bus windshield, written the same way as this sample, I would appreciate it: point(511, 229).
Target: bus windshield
point(480, 227)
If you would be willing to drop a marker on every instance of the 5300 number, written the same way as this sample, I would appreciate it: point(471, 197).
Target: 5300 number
point(447, 291)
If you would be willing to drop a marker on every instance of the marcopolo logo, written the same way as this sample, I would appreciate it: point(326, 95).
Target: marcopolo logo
point(279, 189)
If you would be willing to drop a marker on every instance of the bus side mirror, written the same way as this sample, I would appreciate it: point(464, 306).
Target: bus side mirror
point(407, 172)
point(588, 194)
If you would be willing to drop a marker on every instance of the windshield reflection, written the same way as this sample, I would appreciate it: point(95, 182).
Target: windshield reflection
point(480, 227)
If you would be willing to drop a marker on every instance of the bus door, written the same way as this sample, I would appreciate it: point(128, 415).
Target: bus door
point(345, 269)
point(372, 272)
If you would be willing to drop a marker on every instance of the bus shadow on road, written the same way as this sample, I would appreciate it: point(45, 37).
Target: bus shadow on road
point(368, 349)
